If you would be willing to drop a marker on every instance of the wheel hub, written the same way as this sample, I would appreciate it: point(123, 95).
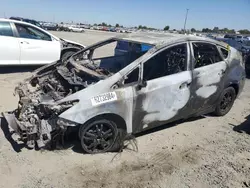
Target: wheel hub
point(98, 138)
point(226, 101)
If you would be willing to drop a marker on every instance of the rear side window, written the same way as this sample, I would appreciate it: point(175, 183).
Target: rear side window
point(170, 61)
point(5, 29)
point(205, 54)
point(224, 52)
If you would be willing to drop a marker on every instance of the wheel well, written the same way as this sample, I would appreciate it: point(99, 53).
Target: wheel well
point(120, 122)
point(236, 88)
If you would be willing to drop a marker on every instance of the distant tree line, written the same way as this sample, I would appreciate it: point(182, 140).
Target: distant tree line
point(107, 25)
point(118, 25)
point(218, 30)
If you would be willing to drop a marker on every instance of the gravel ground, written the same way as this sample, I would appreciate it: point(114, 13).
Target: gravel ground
point(202, 152)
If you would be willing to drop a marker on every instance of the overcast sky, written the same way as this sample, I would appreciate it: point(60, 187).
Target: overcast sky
point(234, 14)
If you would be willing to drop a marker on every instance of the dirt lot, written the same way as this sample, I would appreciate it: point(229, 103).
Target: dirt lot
point(205, 152)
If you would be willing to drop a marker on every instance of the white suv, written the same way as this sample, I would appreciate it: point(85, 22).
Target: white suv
point(22, 43)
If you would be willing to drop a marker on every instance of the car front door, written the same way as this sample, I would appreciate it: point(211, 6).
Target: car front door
point(163, 94)
point(208, 76)
point(37, 47)
point(9, 45)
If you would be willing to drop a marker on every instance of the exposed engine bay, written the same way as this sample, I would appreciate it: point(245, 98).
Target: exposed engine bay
point(67, 44)
point(35, 119)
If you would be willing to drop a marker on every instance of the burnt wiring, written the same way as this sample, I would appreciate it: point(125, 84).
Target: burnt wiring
point(127, 142)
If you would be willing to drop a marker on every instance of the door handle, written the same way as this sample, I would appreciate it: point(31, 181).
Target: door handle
point(184, 84)
point(222, 72)
point(24, 42)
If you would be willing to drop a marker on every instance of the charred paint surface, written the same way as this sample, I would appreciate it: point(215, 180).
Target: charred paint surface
point(161, 100)
point(59, 95)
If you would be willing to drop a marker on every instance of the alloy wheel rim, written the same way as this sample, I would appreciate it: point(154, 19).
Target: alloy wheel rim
point(98, 138)
point(226, 101)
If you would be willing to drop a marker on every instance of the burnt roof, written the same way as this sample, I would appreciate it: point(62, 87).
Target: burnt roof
point(163, 38)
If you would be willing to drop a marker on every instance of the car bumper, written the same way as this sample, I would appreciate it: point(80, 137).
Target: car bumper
point(13, 123)
point(41, 134)
point(241, 86)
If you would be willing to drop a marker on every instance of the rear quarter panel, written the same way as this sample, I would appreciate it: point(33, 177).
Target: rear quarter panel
point(236, 71)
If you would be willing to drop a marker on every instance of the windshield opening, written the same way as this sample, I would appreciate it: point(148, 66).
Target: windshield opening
point(111, 56)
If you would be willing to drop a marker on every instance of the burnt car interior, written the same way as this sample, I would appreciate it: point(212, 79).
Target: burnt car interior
point(205, 54)
point(104, 57)
point(170, 61)
point(83, 69)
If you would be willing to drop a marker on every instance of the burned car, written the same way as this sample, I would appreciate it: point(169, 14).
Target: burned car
point(159, 79)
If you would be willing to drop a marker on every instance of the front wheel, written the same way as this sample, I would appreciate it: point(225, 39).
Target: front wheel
point(101, 136)
point(226, 102)
point(67, 55)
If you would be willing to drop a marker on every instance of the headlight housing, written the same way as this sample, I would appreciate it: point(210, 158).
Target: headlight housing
point(46, 110)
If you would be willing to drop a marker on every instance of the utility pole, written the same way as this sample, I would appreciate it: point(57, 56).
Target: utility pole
point(4, 15)
point(185, 20)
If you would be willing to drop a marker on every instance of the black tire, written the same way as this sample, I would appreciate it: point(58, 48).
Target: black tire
point(67, 55)
point(226, 102)
point(101, 136)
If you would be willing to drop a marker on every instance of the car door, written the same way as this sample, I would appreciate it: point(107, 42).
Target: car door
point(37, 47)
point(164, 93)
point(78, 29)
point(9, 45)
point(209, 69)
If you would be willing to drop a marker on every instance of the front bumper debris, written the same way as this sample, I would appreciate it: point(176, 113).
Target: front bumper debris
point(12, 121)
point(40, 134)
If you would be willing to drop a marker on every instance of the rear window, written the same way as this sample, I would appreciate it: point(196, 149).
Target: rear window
point(32, 22)
point(224, 53)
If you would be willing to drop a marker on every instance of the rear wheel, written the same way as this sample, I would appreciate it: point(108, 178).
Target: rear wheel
point(101, 136)
point(226, 101)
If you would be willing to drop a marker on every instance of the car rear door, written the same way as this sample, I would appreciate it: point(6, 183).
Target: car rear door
point(9, 45)
point(166, 93)
point(37, 47)
point(209, 69)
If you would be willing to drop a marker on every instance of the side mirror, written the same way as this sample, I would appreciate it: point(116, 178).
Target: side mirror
point(141, 84)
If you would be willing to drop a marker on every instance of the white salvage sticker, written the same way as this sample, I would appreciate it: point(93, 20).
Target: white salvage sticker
point(104, 98)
